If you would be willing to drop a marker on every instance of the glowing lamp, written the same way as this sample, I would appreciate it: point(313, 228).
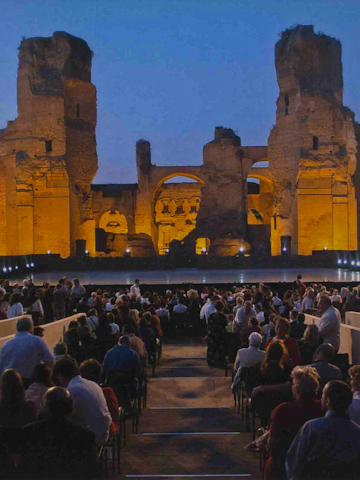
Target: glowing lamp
point(4, 269)
point(16, 267)
point(203, 251)
point(10, 269)
point(86, 252)
point(27, 265)
point(48, 252)
point(352, 263)
point(358, 264)
point(325, 248)
point(127, 251)
point(345, 262)
point(284, 249)
point(241, 249)
point(339, 262)
point(32, 264)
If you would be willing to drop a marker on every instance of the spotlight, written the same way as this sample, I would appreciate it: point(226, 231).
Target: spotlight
point(27, 265)
point(241, 249)
point(16, 267)
point(48, 252)
point(358, 264)
point(167, 251)
point(32, 265)
point(352, 262)
point(86, 252)
point(10, 269)
point(345, 262)
point(4, 269)
point(203, 251)
point(284, 249)
point(127, 250)
point(339, 262)
point(325, 248)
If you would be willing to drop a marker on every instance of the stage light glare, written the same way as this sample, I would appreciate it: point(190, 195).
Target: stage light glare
point(284, 249)
point(48, 252)
point(167, 251)
point(10, 269)
point(352, 262)
point(241, 249)
point(86, 252)
point(127, 250)
point(325, 248)
point(16, 267)
point(32, 264)
point(345, 262)
point(27, 265)
point(358, 264)
point(4, 269)
point(339, 262)
point(203, 251)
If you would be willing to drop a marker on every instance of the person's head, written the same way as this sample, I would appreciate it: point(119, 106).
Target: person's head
point(39, 331)
point(214, 299)
point(257, 308)
point(60, 349)
point(305, 382)
point(301, 318)
point(64, 370)
point(76, 282)
point(128, 329)
point(133, 314)
point(123, 311)
point(294, 315)
point(255, 340)
point(12, 391)
point(254, 322)
point(282, 328)
point(110, 317)
point(324, 353)
point(74, 324)
point(299, 277)
point(42, 374)
point(324, 303)
point(15, 298)
point(25, 324)
point(337, 396)
point(276, 353)
point(247, 306)
point(311, 335)
point(82, 320)
point(311, 293)
point(219, 306)
point(6, 297)
point(91, 370)
point(58, 402)
point(354, 373)
point(124, 341)
point(142, 322)
point(147, 316)
point(92, 313)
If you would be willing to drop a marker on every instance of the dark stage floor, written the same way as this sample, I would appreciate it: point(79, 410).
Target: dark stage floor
point(196, 276)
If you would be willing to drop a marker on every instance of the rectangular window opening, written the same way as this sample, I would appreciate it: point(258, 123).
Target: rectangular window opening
point(48, 146)
point(315, 143)
point(77, 110)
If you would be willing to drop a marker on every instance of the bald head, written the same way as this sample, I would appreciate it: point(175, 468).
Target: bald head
point(58, 402)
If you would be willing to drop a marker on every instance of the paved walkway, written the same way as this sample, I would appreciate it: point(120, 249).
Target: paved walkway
point(190, 427)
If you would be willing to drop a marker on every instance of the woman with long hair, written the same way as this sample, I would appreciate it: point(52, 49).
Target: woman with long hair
point(309, 344)
point(41, 382)
point(15, 308)
point(15, 409)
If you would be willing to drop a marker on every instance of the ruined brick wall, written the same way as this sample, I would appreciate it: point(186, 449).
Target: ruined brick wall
point(311, 148)
point(48, 153)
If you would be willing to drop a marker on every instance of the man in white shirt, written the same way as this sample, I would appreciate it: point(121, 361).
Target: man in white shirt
point(136, 288)
point(308, 301)
point(244, 314)
point(329, 326)
point(2, 288)
point(248, 357)
point(24, 351)
point(260, 314)
point(211, 307)
point(180, 307)
point(90, 407)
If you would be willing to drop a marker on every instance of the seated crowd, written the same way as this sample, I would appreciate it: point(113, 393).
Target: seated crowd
point(283, 366)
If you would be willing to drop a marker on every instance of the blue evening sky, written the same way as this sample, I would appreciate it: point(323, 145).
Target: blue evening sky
point(170, 71)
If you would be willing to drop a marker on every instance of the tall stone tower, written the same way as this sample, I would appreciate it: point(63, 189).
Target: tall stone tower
point(312, 148)
point(48, 154)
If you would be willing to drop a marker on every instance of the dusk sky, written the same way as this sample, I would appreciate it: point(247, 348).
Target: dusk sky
point(170, 71)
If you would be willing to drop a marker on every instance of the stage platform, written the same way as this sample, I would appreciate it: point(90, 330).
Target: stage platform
point(197, 276)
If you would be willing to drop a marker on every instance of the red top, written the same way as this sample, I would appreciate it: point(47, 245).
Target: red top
point(113, 407)
point(292, 348)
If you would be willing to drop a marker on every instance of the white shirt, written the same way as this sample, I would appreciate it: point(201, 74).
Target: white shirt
point(15, 310)
point(90, 408)
point(307, 304)
point(135, 289)
point(248, 357)
point(2, 289)
point(242, 318)
point(354, 409)
point(93, 322)
point(329, 327)
point(335, 298)
point(109, 306)
point(162, 312)
point(114, 328)
point(209, 310)
point(276, 301)
point(203, 308)
point(37, 307)
point(23, 352)
point(298, 306)
point(179, 308)
point(261, 316)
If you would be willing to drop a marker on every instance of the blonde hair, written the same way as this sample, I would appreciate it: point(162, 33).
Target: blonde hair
point(134, 315)
point(307, 381)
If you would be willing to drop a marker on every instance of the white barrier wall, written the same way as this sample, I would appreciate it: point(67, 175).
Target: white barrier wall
point(53, 332)
point(352, 319)
point(8, 327)
point(349, 339)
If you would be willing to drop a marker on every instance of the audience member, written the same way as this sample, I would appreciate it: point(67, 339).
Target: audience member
point(41, 382)
point(282, 328)
point(309, 344)
point(15, 308)
point(329, 326)
point(354, 409)
point(297, 326)
point(135, 342)
point(56, 448)
point(122, 359)
point(329, 447)
point(90, 408)
point(322, 358)
point(216, 331)
point(24, 351)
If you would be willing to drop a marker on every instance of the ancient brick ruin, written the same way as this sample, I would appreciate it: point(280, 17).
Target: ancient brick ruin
point(305, 200)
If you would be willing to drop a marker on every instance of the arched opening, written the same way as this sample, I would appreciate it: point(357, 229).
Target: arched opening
point(202, 246)
point(176, 202)
point(255, 217)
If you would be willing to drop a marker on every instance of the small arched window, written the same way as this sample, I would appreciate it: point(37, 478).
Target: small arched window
point(287, 103)
point(77, 110)
point(315, 142)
